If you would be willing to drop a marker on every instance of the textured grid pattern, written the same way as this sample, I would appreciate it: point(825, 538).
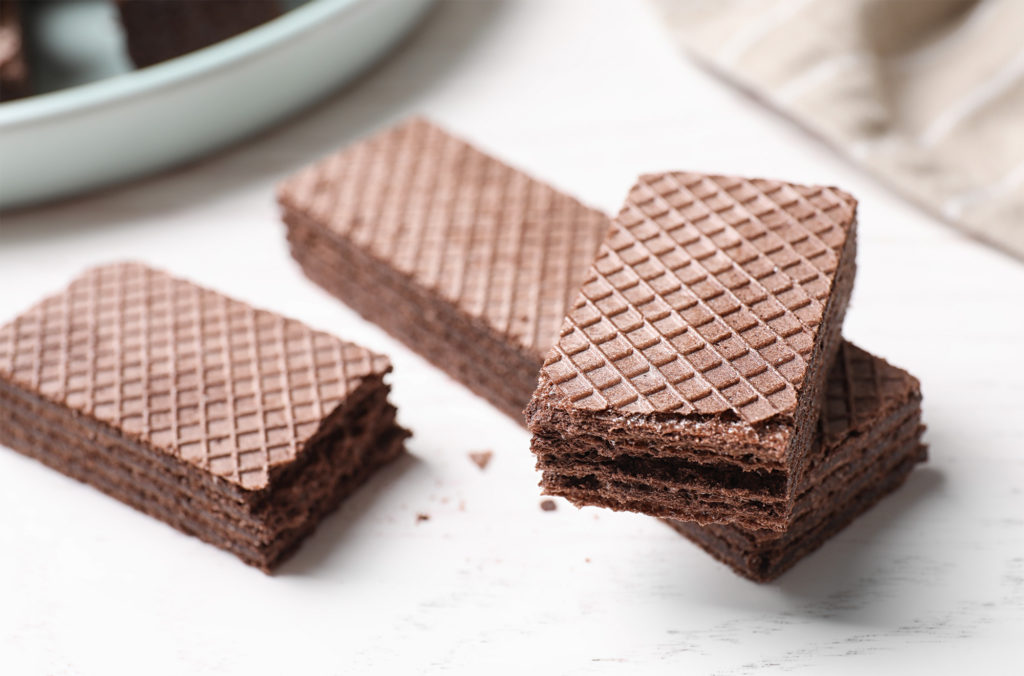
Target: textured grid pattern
point(860, 386)
point(229, 388)
point(499, 245)
point(157, 30)
point(706, 297)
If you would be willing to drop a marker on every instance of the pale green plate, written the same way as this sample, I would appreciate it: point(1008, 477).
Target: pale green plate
point(122, 123)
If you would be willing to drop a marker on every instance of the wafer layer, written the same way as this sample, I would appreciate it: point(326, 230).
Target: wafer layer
point(869, 439)
point(767, 559)
point(183, 511)
point(369, 419)
point(470, 250)
point(471, 357)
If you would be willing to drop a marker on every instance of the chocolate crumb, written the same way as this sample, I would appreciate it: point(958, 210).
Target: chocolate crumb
point(481, 458)
point(422, 517)
point(548, 505)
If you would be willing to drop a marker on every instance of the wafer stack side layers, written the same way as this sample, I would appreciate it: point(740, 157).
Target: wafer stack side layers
point(691, 364)
point(868, 441)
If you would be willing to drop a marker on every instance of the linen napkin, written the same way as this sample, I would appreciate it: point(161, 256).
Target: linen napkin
point(928, 94)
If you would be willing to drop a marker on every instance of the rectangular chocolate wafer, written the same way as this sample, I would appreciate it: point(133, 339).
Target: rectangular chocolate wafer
point(227, 422)
point(687, 375)
point(468, 261)
point(868, 440)
point(158, 30)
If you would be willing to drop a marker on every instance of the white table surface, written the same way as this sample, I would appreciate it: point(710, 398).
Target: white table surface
point(587, 95)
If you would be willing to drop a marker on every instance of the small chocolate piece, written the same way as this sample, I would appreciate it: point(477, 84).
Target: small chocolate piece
point(468, 261)
point(548, 505)
point(868, 441)
point(481, 458)
point(227, 422)
point(686, 380)
point(420, 518)
point(157, 30)
point(13, 67)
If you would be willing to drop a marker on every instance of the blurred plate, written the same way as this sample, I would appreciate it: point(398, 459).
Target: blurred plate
point(126, 123)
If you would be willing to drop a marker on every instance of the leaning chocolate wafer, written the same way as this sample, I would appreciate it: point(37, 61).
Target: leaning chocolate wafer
point(868, 441)
point(227, 422)
point(687, 376)
point(468, 261)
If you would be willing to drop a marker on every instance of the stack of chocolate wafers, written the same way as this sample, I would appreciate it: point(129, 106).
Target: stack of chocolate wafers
point(695, 369)
point(229, 423)
point(700, 375)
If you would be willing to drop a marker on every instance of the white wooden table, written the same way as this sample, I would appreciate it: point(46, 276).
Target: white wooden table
point(587, 95)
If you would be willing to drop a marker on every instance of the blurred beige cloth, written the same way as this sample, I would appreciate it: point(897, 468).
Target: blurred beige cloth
point(928, 94)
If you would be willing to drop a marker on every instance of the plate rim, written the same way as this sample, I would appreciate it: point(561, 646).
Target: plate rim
point(111, 90)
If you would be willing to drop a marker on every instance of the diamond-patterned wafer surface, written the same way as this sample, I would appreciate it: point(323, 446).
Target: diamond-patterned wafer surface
point(859, 388)
point(706, 298)
point(499, 245)
point(192, 373)
point(871, 424)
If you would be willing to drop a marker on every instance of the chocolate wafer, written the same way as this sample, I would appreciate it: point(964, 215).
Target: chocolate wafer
point(158, 30)
point(468, 261)
point(13, 65)
point(227, 422)
point(868, 440)
point(690, 366)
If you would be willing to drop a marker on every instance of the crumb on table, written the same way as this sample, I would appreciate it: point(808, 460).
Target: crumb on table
point(481, 458)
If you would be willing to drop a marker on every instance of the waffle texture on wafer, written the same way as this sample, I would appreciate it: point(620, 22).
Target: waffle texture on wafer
point(158, 30)
point(469, 261)
point(13, 65)
point(228, 422)
point(867, 442)
point(690, 365)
